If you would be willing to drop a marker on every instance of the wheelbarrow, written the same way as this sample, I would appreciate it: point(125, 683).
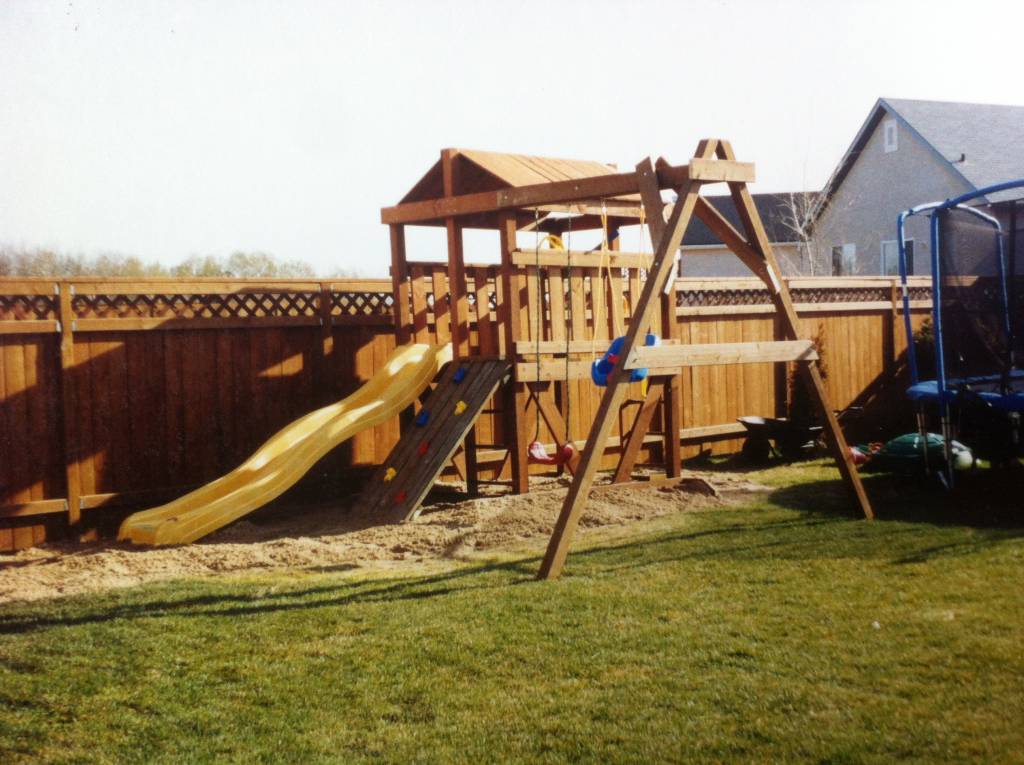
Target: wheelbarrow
point(779, 437)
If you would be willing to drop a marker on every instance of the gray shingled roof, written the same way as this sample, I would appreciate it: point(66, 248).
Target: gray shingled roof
point(990, 139)
point(776, 212)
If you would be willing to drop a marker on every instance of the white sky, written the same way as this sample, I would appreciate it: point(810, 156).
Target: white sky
point(168, 129)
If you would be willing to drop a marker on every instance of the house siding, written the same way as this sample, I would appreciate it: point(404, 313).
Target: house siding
point(714, 262)
point(878, 186)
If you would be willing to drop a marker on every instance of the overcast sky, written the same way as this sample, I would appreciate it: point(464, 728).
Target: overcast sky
point(169, 129)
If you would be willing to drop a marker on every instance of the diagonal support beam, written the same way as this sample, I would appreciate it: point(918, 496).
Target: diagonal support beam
point(661, 270)
point(758, 238)
point(657, 388)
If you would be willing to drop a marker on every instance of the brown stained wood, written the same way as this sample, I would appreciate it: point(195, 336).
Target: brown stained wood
point(400, 287)
point(69, 411)
point(668, 243)
point(756, 234)
point(560, 259)
point(576, 190)
point(641, 424)
point(28, 326)
point(664, 356)
point(32, 507)
point(515, 395)
point(458, 305)
point(485, 326)
point(442, 317)
point(421, 333)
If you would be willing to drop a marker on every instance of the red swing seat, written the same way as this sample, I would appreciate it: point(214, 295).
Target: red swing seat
point(537, 455)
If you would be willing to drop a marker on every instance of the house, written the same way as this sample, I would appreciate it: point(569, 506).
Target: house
point(905, 154)
point(782, 215)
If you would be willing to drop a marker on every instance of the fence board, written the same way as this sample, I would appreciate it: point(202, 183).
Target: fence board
point(175, 383)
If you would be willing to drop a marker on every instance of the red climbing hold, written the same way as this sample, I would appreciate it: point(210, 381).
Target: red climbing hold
point(422, 448)
point(400, 497)
point(539, 456)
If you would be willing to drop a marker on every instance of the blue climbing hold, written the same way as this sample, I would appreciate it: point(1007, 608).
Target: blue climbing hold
point(460, 375)
point(603, 367)
point(422, 418)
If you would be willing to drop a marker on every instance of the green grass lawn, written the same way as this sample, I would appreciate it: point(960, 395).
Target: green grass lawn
point(783, 631)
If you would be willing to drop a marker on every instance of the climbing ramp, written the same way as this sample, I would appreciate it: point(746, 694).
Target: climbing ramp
point(401, 483)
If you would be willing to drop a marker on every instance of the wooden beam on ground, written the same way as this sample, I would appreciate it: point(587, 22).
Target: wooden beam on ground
point(560, 192)
point(679, 356)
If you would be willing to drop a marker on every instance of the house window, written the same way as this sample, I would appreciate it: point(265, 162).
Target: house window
point(844, 260)
point(891, 257)
point(890, 135)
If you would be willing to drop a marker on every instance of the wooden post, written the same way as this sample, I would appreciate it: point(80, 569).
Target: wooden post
point(458, 304)
point(516, 394)
point(458, 310)
point(661, 271)
point(325, 348)
point(67, 363)
point(894, 328)
point(672, 398)
point(400, 284)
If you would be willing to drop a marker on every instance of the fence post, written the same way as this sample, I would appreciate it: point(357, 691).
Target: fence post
point(65, 292)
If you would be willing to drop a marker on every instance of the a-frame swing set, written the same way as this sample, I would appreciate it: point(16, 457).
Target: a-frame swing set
point(585, 191)
point(755, 251)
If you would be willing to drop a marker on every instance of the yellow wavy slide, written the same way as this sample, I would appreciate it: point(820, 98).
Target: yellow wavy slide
point(286, 457)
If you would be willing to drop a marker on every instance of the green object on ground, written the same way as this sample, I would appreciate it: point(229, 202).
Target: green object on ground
point(905, 454)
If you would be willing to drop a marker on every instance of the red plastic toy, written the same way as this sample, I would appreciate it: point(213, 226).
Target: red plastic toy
point(539, 456)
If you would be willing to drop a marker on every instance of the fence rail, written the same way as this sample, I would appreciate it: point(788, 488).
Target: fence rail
point(120, 392)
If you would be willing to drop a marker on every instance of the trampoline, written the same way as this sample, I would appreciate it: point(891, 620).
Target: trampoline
point(977, 281)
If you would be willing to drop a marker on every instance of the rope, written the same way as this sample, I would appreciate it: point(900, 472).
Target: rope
point(568, 331)
point(539, 323)
point(602, 268)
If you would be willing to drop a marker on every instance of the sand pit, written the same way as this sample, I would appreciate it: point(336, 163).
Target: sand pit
point(336, 537)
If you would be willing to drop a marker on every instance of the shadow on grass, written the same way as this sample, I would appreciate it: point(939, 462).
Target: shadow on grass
point(591, 561)
point(822, 528)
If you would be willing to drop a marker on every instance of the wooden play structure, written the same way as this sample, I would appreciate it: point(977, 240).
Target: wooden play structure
point(553, 303)
point(121, 394)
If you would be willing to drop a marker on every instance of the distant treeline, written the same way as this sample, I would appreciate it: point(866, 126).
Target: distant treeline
point(46, 263)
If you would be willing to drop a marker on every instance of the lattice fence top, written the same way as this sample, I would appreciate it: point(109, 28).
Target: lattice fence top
point(28, 307)
point(205, 306)
point(361, 303)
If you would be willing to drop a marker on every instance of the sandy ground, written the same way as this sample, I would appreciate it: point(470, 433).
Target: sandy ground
point(335, 537)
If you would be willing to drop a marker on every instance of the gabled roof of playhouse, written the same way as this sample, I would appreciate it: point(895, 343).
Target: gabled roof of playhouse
point(479, 171)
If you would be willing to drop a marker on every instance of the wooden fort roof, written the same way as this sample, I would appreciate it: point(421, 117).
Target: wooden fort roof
point(475, 171)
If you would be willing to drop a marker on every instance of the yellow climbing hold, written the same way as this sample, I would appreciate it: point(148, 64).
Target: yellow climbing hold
point(460, 408)
point(389, 475)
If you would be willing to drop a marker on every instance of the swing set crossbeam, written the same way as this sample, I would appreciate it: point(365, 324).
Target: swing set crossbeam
point(587, 259)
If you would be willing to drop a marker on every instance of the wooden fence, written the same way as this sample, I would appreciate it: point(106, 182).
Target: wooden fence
point(119, 393)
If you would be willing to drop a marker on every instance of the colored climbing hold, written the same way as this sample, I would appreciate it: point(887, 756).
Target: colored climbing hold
point(460, 375)
point(400, 497)
point(422, 448)
point(422, 418)
point(389, 474)
point(460, 408)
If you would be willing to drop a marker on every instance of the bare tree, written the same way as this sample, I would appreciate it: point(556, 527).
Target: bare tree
point(796, 219)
